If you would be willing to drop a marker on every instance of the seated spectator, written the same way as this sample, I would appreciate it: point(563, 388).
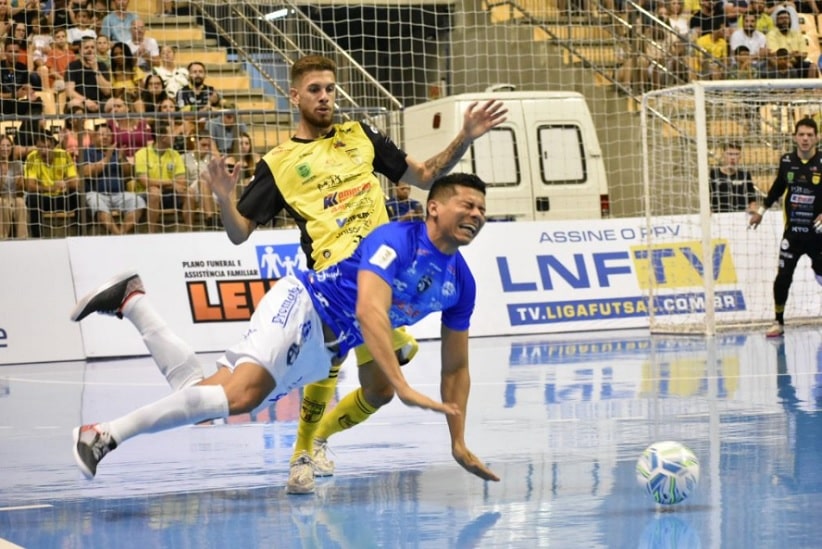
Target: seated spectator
point(51, 182)
point(764, 21)
point(781, 65)
point(131, 130)
point(16, 93)
point(117, 24)
point(13, 212)
point(732, 189)
point(712, 65)
point(782, 37)
point(81, 29)
point(197, 96)
point(6, 22)
point(105, 170)
point(174, 78)
point(402, 207)
point(754, 41)
point(742, 67)
point(26, 12)
point(225, 129)
point(58, 61)
point(60, 16)
point(243, 150)
point(196, 160)
point(38, 47)
point(126, 76)
point(181, 126)
point(102, 46)
point(710, 16)
point(145, 49)
point(161, 174)
point(87, 80)
point(152, 93)
point(74, 137)
point(775, 6)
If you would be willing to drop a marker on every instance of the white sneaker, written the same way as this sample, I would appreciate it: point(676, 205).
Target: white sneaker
point(323, 467)
point(301, 475)
point(776, 330)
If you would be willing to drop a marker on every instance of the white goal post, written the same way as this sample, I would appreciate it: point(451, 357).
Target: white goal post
point(706, 271)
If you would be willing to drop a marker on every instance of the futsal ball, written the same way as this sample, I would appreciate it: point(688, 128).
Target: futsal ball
point(669, 471)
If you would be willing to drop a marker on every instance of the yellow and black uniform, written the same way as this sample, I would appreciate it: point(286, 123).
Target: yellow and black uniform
point(800, 182)
point(328, 187)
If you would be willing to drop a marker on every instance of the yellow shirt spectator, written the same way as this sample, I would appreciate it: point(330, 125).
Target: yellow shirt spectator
point(61, 168)
point(167, 165)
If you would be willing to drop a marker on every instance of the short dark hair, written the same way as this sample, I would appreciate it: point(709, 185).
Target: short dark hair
point(311, 63)
point(444, 187)
point(808, 123)
point(188, 67)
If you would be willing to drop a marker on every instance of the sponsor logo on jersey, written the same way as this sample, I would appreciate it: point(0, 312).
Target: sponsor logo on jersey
point(383, 257)
point(304, 170)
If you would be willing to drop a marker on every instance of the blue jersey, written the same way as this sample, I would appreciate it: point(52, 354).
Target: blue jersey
point(422, 278)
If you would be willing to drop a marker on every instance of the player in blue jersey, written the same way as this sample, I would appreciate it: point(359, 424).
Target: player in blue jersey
point(398, 274)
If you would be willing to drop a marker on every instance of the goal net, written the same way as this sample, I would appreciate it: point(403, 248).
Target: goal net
point(704, 269)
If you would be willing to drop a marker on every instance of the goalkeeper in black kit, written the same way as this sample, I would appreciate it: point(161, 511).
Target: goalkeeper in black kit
point(800, 181)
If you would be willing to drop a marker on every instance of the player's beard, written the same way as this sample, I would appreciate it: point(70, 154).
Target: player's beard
point(321, 121)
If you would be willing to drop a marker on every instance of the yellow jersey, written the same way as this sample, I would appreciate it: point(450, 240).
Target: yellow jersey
point(62, 167)
point(328, 186)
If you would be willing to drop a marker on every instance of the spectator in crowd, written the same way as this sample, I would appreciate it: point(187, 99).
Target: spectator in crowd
point(732, 189)
point(742, 67)
point(51, 182)
point(6, 22)
point(26, 12)
point(197, 96)
point(74, 137)
point(243, 150)
point(709, 17)
point(225, 129)
point(38, 47)
point(105, 170)
point(117, 24)
point(152, 93)
point(733, 11)
point(60, 15)
point(145, 49)
point(13, 212)
point(196, 160)
point(102, 47)
point(174, 77)
point(764, 21)
point(58, 60)
point(713, 62)
point(87, 80)
point(181, 126)
point(781, 65)
point(402, 207)
point(161, 174)
point(131, 131)
point(16, 93)
point(753, 40)
point(81, 29)
point(782, 37)
point(790, 7)
point(126, 76)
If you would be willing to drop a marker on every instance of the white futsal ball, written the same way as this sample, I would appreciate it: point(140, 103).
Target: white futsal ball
point(668, 471)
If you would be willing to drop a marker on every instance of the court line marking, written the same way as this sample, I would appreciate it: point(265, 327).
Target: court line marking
point(25, 508)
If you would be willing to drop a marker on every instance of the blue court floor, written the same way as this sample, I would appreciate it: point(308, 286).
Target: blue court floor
point(561, 419)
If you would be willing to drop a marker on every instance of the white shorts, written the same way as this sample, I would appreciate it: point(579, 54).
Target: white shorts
point(285, 336)
point(106, 202)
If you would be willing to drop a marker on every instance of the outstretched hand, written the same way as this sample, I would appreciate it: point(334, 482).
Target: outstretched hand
point(755, 220)
point(222, 181)
point(478, 119)
point(472, 464)
point(411, 397)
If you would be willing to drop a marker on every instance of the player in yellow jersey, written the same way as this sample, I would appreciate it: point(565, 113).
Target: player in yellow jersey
point(324, 178)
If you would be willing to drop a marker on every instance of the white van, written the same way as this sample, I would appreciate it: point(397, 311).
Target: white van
point(544, 162)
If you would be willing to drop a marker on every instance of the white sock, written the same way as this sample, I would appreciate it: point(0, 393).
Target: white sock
point(185, 407)
point(173, 356)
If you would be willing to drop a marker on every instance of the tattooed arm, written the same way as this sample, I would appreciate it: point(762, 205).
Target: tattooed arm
point(477, 120)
